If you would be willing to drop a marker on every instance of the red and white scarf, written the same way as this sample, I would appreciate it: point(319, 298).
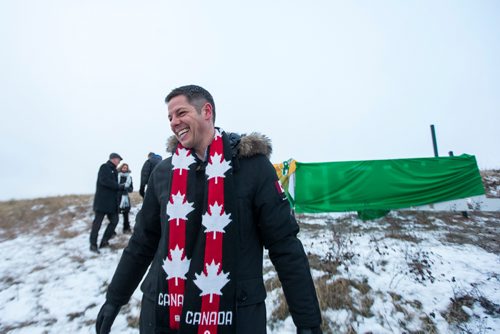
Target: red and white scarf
point(207, 274)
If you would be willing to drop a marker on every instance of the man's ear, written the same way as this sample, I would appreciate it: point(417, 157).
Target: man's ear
point(207, 110)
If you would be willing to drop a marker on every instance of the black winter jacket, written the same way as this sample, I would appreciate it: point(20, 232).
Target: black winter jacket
point(107, 187)
point(147, 168)
point(264, 218)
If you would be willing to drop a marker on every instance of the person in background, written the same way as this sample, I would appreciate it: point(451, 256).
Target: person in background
point(125, 178)
point(147, 168)
point(106, 201)
point(209, 211)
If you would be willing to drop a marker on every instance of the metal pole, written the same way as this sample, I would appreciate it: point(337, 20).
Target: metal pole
point(434, 143)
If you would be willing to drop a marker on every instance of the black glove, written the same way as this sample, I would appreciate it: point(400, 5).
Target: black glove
point(315, 330)
point(105, 318)
point(121, 186)
point(141, 192)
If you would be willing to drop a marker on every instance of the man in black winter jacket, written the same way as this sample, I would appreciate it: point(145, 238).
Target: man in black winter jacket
point(106, 201)
point(209, 211)
point(147, 168)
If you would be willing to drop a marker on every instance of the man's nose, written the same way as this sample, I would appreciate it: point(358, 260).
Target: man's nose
point(174, 120)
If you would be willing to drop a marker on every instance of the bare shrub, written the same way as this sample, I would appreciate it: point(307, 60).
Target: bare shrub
point(328, 265)
point(410, 310)
point(428, 325)
point(455, 313)
point(351, 295)
point(339, 294)
point(462, 299)
point(420, 264)
point(341, 247)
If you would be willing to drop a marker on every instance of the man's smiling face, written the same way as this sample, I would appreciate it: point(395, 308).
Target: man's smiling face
point(191, 127)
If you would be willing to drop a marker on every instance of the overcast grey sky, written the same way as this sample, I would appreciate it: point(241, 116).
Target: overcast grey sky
point(326, 80)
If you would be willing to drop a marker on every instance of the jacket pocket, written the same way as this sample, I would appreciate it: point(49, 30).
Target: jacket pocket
point(250, 291)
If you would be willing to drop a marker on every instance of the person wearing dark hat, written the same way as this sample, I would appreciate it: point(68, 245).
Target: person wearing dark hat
point(106, 201)
point(147, 168)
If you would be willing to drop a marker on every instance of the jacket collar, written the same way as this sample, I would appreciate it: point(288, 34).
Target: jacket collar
point(247, 145)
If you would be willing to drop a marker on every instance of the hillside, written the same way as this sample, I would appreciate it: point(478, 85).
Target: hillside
point(408, 272)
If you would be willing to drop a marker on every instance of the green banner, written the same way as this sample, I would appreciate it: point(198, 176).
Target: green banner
point(384, 184)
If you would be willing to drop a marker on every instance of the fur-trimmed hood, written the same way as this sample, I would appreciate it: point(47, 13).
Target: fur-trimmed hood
point(246, 145)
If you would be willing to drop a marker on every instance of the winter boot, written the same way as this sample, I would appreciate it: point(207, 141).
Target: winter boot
point(93, 248)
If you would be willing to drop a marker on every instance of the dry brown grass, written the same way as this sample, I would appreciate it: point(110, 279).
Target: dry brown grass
point(456, 315)
point(20, 325)
point(491, 182)
point(132, 321)
point(49, 215)
point(409, 237)
point(479, 228)
point(344, 293)
point(411, 310)
point(75, 315)
point(42, 215)
point(455, 312)
point(273, 283)
point(281, 312)
point(327, 265)
point(55, 214)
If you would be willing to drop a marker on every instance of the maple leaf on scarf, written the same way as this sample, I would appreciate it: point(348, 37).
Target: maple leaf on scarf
point(217, 168)
point(177, 267)
point(212, 282)
point(216, 221)
point(217, 134)
point(182, 159)
point(178, 209)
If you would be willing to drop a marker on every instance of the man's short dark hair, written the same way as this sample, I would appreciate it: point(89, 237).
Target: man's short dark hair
point(196, 95)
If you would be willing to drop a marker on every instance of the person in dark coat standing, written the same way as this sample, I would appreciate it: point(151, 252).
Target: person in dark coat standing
point(125, 178)
point(209, 211)
point(106, 201)
point(147, 168)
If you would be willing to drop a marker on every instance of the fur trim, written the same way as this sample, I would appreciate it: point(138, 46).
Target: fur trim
point(171, 144)
point(253, 144)
point(249, 145)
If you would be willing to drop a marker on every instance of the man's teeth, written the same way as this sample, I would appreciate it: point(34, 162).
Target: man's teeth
point(180, 133)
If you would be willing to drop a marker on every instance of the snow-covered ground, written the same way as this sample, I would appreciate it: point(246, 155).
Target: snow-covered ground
point(410, 272)
point(413, 268)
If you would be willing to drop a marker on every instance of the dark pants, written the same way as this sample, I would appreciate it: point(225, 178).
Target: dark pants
point(126, 222)
point(96, 226)
point(250, 319)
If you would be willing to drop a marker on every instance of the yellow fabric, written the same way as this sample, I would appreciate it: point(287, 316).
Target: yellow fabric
point(284, 171)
